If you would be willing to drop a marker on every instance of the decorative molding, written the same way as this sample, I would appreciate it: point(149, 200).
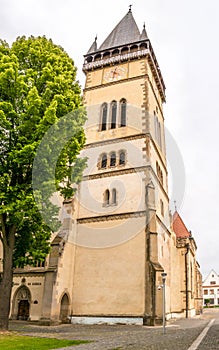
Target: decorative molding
point(116, 59)
point(112, 217)
point(115, 173)
point(117, 140)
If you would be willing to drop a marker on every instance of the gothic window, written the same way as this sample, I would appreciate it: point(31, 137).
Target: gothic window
point(106, 197)
point(122, 158)
point(113, 115)
point(104, 161)
point(114, 196)
point(123, 112)
point(103, 117)
point(113, 159)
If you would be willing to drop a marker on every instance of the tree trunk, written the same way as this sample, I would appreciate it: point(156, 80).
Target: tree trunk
point(6, 281)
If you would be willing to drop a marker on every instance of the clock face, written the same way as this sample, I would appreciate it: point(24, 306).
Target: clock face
point(115, 73)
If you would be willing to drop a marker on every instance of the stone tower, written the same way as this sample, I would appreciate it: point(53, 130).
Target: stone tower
point(123, 237)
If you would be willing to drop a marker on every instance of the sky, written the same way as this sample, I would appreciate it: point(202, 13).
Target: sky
point(184, 36)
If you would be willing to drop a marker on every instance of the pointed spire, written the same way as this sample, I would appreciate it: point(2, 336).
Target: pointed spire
point(125, 32)
point(93, 47)
point(143, 35)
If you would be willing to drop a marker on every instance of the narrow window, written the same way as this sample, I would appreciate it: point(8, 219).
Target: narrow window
point(106, 197)
point(155, 126)
point(121, 158)
point(162, 207)
point(113, 159)
point(103, 117)
point(113, 114)
point(104, 161)
point(159, 135)
point(114, 196)
point(161, 177)
point(123, 113)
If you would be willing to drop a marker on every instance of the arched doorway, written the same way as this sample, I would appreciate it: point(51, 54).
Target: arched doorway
point(21, 303)
point(64, 309)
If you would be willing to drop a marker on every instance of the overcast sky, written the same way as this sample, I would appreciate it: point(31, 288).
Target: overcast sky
point(184, 35)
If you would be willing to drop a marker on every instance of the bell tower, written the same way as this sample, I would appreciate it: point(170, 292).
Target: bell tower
point(123, 207)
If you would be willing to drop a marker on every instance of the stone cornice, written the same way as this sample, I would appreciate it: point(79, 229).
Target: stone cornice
point(110, 173)
point(112, 217)
point(115, 140)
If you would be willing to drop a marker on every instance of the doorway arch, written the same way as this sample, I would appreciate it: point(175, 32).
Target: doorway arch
point(64, 309)
point(21, 304)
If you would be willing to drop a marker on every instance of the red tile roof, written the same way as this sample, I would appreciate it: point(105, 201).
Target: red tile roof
point(179, 227)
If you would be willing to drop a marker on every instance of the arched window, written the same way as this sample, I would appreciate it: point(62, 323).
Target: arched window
point(103, 117)
point(104, 161)
point(122, 158)
point(114, 196)
point(113, 159)
point(123, 113)
point(113, 114)
point(106, 197)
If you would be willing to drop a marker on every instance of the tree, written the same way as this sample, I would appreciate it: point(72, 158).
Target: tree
point(37, 88)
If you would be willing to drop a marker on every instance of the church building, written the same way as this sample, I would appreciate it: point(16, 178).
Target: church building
point(117, 235)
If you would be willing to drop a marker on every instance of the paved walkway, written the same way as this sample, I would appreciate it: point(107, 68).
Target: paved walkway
point(180, 334)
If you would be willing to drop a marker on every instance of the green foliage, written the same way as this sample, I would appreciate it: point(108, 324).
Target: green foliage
point(15, 342)
point(37, 88)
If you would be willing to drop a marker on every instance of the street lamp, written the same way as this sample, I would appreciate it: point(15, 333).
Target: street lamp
point(164, 275)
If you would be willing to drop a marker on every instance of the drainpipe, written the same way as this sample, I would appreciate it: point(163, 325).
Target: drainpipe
point(186, 276)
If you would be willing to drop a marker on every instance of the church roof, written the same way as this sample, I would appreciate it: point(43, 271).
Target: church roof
point(179, 227)
point(125, 32)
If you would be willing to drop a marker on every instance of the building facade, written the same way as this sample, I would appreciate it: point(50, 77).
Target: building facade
point(186, 276)
point(117, 235)
point(211, 289)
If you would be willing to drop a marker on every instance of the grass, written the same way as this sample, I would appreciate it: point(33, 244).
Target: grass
point(11, 341)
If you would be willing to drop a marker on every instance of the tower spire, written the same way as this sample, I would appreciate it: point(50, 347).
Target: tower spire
point(143, 35)
point(93, 47)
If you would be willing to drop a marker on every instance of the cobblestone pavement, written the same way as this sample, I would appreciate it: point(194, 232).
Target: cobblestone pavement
point(180, 334)
point(211, 340)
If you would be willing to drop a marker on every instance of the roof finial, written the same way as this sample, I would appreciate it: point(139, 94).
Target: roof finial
point(95, 38)
point(144, 25)
point(175, 205)
point(130, 8)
